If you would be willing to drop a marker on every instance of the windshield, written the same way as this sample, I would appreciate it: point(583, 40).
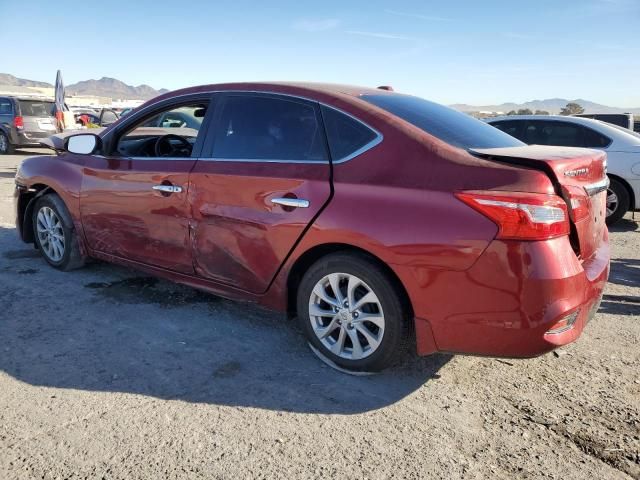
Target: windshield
point(37, 108)
point(453, 127)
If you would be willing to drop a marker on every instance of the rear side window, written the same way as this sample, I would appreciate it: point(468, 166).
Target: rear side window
point(593, 139)
point(510, 127)
point(35, 108)
point(453, 127)
point(268, 128)
point(345, 134)
point(5, 107)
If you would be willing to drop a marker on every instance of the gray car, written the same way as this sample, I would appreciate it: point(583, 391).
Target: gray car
point(25, 122)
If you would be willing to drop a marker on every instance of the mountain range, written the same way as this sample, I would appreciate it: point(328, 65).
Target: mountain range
point(104, 87)
point(551, 105)
point(6, 79)
point(116, 89)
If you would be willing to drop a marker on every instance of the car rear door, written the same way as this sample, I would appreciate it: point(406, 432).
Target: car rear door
point(266, 178)
point(134, 205)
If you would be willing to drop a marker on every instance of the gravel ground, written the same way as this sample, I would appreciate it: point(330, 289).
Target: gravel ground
point(107, 373)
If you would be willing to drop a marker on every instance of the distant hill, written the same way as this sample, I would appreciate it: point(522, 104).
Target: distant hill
point(6, 79)
point(551, 105)
point(113, 88)
point(105, 87)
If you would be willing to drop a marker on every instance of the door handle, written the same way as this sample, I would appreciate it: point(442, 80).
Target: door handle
point(167, 188)
point(291, 202)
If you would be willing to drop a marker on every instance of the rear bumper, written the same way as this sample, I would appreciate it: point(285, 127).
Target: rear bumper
point(508, 301)
point(31, 139)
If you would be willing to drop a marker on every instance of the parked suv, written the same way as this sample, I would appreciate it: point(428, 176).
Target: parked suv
point(24, 122)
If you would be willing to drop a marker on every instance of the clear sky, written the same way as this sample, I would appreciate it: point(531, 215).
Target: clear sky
point(451, 51)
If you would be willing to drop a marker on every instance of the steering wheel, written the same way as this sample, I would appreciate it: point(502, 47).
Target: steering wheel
point(164, 148)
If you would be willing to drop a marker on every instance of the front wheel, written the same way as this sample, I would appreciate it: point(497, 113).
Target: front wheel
point(54, 233)
point(352, 312)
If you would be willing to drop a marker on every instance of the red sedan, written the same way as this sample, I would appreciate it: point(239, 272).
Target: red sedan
point(380, 219)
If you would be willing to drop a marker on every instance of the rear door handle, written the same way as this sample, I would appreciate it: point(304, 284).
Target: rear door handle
point(291, 202)
point(167, 188)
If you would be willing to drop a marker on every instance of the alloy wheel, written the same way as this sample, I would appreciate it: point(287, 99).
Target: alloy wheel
point(612, 202)
point(346, 316)
point(50, 234)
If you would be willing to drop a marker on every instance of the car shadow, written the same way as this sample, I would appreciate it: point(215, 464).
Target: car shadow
point(8, 173)
point(108, 329)
point(32, 151)
point(625, 225)
point(625, 271)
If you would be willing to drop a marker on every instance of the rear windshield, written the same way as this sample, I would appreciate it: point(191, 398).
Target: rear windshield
point(37, 108)
point(455, 128)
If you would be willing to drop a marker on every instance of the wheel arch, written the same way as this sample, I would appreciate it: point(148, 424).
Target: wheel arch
point(625, 184)
point(25, 208)
point(313, 254)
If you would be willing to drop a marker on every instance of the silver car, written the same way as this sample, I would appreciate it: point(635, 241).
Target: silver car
point(25, 122)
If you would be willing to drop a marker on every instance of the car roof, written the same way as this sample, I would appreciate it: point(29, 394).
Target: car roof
point(320, 92)
point(32, 99)
point(564, 118)
point(326, 88)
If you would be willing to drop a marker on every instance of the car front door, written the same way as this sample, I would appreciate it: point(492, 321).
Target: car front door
point(266, 177)
point(134, 199)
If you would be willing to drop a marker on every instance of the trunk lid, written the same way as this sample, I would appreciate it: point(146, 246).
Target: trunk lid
point(579, 176)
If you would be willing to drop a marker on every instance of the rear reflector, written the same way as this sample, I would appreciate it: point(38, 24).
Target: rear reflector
point(18, 122)
point(564, 323)
point(521, 216)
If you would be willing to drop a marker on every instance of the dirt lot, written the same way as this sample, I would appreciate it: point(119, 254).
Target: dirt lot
point(107, 373)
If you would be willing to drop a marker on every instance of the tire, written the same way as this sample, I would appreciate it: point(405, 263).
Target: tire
point(55, 235)
point(384, 341)
point(5, 145)
point(619, 193)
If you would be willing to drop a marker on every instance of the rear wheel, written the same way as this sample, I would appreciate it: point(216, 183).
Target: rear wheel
point(5, 145)
point(352, 313)
point(54, 233)
point(618, 201)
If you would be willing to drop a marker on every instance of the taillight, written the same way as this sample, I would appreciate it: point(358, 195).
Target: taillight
point(18, 122)
point(521, 216)
point(579, 201)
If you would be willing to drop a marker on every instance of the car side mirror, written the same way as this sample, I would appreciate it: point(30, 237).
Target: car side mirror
point(82, 144)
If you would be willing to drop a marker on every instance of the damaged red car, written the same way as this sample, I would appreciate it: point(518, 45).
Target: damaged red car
point(380, 220)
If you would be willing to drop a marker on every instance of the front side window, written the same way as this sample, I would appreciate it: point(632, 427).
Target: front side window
point(108, 117)
point(345, 134)
point(268, 128)
point(453, 127)
point(169, 133)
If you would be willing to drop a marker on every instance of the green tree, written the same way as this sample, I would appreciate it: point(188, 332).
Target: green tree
point(572, 109)
point(541, 112)
point(525, 111)
point(511, 112)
